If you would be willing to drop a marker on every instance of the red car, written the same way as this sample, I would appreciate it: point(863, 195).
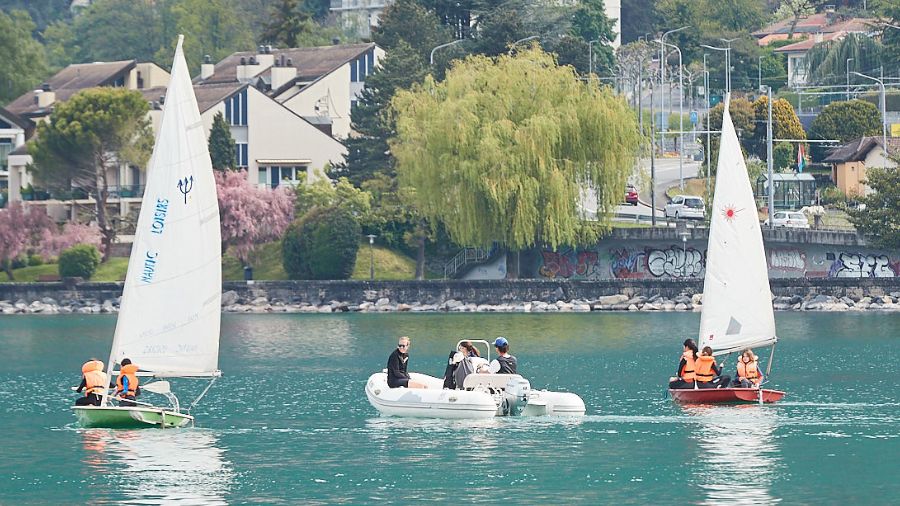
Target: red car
point(631, 195)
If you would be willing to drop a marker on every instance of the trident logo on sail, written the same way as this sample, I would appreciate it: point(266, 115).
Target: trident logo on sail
point(185, 186)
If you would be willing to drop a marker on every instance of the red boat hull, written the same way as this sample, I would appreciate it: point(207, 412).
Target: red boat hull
point(724, 395)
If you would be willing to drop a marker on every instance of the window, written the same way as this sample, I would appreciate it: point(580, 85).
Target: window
point(693, 203)
point(282, 175)
point(236, 109)
point(240, 155)
point(6, 145)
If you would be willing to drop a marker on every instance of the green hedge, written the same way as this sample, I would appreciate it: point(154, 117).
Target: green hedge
point(322, 245)
point(79, 261)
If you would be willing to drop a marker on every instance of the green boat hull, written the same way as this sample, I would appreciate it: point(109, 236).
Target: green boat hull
point(120, 417)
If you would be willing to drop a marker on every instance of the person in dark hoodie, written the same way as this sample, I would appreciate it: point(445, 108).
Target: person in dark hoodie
point(397, 376)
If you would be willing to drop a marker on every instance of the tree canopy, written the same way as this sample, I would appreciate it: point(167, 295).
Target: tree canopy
point(503, 148)
point(828, 60)
point(23, 64)
point(93, 132)
point(743, 115)
point(221, 144)
point(785, 125)
point(844, 121)
point(880, 219)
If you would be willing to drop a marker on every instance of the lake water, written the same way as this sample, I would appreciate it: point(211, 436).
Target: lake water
point(289, 422)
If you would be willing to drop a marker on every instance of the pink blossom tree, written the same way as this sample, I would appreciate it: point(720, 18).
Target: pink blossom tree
point(250, 215)
point(21, 229)
point(54, 241)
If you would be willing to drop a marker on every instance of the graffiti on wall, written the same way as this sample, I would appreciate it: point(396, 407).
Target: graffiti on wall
point(862, 265)
point(568, 264)
point(787, 260)
point(675, 262)
point(672, 262)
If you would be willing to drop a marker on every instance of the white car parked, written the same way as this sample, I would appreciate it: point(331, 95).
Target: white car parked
point(686, 206)
point(792, 219)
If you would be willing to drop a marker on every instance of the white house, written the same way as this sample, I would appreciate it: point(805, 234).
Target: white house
point(13, 130)
point(321, 84)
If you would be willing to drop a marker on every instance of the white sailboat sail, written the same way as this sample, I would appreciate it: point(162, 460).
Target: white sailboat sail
point(737, 303)
point(170, 311)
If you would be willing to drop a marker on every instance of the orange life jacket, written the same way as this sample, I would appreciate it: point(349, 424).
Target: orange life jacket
point(749, 371)
point(704, 368)
point(687, 373)
point(127, 371)
point(94, 377)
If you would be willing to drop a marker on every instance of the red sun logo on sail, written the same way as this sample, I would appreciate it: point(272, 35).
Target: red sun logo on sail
point(730, 213)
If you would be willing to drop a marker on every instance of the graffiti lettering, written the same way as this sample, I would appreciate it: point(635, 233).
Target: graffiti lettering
point(567, 264)
point(787, 260)
point(675, 262)
point(159, 216)
point(625, 263)
point(860, 265)
point(149, 267)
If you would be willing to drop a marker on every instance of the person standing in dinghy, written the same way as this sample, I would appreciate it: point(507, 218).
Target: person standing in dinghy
point(397, 376)
point(504, 363)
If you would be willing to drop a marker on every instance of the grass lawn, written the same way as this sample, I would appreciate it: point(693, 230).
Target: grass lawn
point(389, 264)
point(113, 270)
point(694, 186)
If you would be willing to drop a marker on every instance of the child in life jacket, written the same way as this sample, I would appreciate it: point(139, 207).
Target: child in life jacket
point(127, 384)
point(684, 375)
point(707, 373)
point(93, 382)
point(748, 373)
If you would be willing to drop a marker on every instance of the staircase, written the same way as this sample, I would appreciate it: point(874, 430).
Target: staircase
point(467, 256)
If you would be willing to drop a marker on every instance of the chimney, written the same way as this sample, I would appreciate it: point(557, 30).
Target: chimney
point(44, 97)
point(282, 72)
point(248, 69)
point(207, 69)
point(265, 58)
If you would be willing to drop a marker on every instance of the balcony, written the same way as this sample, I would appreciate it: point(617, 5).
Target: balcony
point(116, 192)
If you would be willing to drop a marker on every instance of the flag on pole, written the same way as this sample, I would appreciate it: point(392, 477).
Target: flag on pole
point(801, 159)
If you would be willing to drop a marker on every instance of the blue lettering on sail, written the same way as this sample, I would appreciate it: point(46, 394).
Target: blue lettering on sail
point(159, 216)
point(149, 267)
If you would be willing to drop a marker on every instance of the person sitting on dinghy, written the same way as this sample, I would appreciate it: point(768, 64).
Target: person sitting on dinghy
point(684, 376)
point(504, 363)
point(94, 380)
point(396, 367)
point(708, 373)
point(127, 383)
point(748, 375)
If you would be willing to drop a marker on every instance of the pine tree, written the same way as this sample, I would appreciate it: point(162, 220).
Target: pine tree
point(221, 145)
point(288, 24)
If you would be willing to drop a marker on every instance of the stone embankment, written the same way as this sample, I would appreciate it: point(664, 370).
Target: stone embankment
point(232, 302)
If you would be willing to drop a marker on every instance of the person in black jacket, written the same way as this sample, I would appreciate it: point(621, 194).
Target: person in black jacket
point(396, 367)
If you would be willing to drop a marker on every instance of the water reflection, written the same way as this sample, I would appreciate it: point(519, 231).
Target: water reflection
point(159, 466)
point(738, 458)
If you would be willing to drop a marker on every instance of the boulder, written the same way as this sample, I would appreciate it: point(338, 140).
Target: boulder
point(612, 299)
point(229, 298)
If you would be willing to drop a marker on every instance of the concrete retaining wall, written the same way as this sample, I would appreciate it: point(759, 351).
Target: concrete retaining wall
point(477, 292)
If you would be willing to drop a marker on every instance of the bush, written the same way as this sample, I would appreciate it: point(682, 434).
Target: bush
point(79, 261)
point(832, 195)
point(321, 245)
point(19, 262)
point(35, 260)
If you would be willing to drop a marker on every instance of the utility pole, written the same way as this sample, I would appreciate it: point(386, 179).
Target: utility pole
point(848, 77)
point(770, 162)
point(652, 159)
point(708, 137)
point(640, 95)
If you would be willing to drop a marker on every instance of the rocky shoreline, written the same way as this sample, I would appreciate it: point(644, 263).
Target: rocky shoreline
point(234, 303)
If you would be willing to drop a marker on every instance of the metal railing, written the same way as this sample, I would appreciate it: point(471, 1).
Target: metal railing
point(115, 192)
point(467, 256)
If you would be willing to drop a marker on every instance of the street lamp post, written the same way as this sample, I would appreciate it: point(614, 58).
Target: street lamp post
point(680, 116)
point(708, 137)
point(770, 162)
point(516, 43)
point(652, 159)
point(371, 256)
point(662, 75)
point(431, 59)
point(591, 57)
point(884, 146)
point(728, 59)
point(759, 71)
point(727, 50)
point(848, 77)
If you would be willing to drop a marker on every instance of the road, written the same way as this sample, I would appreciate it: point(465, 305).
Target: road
point(666, 177)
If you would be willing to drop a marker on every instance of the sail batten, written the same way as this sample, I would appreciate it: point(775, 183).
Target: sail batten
point(170, 314)
point(737, 304)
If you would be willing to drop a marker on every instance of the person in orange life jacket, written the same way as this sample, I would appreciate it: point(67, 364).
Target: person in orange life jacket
point(127, 384)
point(93, 381)
point(684, 375)
point(707, 373)
point(397, 376)
point(504, 363)
point(748, 373)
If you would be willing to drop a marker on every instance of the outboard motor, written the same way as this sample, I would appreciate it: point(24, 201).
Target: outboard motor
point(515, 396)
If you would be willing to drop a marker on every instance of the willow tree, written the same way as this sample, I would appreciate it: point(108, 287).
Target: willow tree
point(504, 148)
